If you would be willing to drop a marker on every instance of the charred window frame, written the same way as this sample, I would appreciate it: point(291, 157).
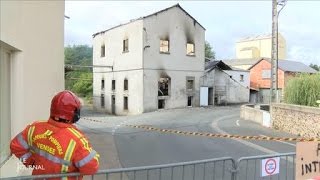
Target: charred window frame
point(125, 84)
point(113, 85)
point(164, 85)
point(103, 50)
point(190, 49)
point(164, 46)
point(125, 45)
point(125, 103)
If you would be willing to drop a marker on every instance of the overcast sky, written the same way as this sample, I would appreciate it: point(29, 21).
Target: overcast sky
point(225, 22)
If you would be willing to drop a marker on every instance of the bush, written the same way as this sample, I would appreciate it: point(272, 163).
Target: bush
point(303, 89)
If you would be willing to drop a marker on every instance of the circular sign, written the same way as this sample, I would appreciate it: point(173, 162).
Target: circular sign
point(270, 166)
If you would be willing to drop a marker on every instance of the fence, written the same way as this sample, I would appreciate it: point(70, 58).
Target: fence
point(225, 168)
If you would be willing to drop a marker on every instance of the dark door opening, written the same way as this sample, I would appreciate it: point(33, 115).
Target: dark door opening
point(161, 104)
point(210, 96)
point(113, 104)
point(189, 101)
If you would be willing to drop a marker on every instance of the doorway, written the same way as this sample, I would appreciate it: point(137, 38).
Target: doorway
point(210, 96)
point(113, 104)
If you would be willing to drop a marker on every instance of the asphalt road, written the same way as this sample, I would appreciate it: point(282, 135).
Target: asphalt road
point(121, 146)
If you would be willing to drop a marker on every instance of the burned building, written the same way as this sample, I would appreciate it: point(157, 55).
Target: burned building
point(150, 63)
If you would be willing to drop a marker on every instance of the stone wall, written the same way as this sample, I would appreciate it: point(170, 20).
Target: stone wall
point(299, 120)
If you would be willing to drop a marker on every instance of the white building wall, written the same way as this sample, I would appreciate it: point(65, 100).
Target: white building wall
point(236, 75)
point(124, 65)
point(33, 34)
point(179, 28)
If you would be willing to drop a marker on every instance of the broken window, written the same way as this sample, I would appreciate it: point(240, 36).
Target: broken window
point(163, 84)
point(103, 50)
point(189, 84)
point(125, 86)
point(125, 103)
point(161, 104)
point(190, 49)
point(102, 100)
point(113, 87)
point(164, 46)
point(102, 84)
point(125, 45)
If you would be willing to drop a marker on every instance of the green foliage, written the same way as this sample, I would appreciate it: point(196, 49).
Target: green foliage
point(303, 90)
point(209, 53)
point(314, 66)
point(79, 80)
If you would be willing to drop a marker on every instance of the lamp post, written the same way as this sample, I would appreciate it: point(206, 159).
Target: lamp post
point(274, 93)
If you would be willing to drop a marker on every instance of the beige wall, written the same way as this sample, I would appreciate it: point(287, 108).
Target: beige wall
point(295, 119)
point(33, 33)
point(260, 48)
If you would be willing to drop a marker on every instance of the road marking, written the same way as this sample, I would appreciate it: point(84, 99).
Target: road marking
point(237, 123)
point(290, 144)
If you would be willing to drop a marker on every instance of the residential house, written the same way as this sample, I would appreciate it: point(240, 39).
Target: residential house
point(224, 85)
point(150, 63)
point(260, 74)
point(31, 65)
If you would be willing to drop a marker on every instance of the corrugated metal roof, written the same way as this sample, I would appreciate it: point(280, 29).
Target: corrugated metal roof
point(294, 66)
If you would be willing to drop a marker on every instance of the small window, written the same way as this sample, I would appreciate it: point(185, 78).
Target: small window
point(103, 51)
point(189, 84)
point(241, 77)
point(164, 46)
point(266, 74)
point(113, 87)
point(102, 84)
point(190, 49)
point(102, 100)
point(125, 45)
point(125, 103)
point(125, 85)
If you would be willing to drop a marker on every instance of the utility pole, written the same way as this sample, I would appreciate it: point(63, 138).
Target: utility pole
point(274, 93)
point(274, 53)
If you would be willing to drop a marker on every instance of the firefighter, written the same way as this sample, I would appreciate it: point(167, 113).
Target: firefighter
point(56, 145)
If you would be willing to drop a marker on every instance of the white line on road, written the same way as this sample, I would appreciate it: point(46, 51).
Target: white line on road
point(237, 123)
point(280, 141)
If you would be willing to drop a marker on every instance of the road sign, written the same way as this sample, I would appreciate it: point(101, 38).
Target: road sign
point(270, 166)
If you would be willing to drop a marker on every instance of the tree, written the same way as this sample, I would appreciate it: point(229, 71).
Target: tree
point(314, 66)
point(209, 53)
point(79, 80)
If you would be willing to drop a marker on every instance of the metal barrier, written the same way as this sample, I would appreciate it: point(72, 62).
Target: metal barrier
point(245, 168)
point(248, 168)
point(218, 168)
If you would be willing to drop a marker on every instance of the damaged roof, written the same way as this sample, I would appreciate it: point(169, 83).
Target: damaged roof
point(163, 10)
point(214, 64)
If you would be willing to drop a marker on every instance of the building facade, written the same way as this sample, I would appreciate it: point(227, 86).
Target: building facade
point(31, 65)
point(150, 63)
point(225, 85)
point(259, 46)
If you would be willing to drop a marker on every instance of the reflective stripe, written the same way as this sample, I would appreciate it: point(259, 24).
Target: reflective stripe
point(50, 156)
point(30, 133)
point(22, 141)
point(81, 137)
point(68, 154)
point(48, 133)
point(26, 156)
point(87, 159)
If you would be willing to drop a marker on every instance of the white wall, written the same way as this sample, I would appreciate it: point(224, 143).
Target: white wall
point(179, 28)
point(33, 33)
point(236, 76)
point(125, 65)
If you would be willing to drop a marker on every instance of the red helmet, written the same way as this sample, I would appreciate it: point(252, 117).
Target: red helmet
point(65, 106)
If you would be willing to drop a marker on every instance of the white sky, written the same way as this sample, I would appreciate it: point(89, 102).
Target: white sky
point(225, 22)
